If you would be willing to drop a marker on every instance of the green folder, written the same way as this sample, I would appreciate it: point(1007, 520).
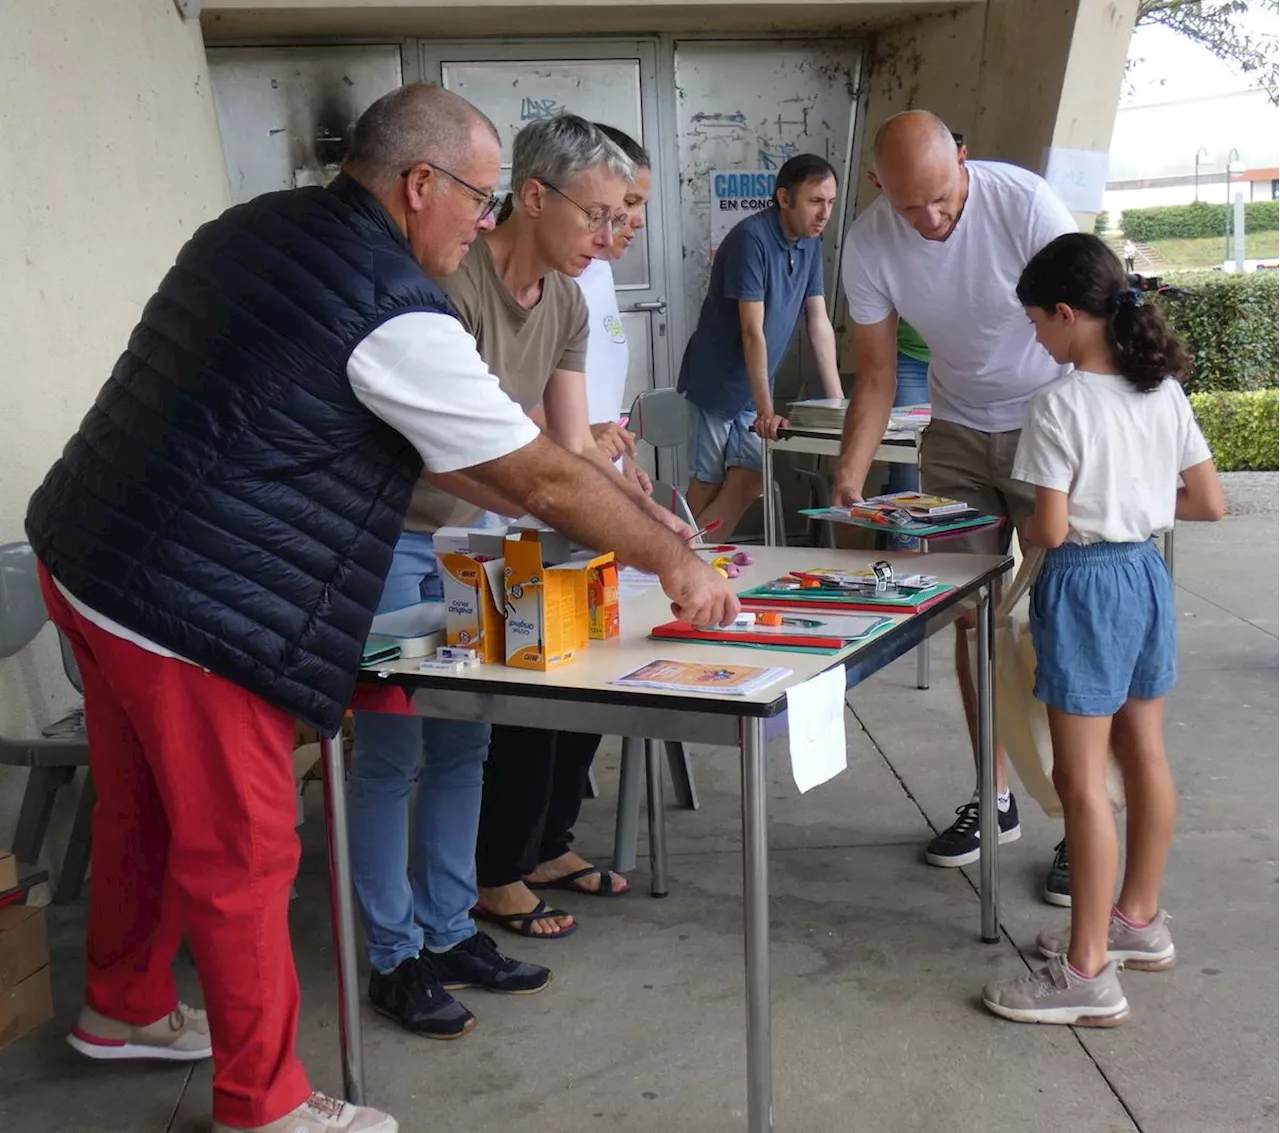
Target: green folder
point(921, 530)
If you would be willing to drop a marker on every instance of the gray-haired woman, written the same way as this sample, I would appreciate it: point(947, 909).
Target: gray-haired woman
point(529, 319)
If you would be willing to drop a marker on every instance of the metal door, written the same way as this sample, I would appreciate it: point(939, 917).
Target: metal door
point(611, 81)
point(745, 105)
point(286, 113)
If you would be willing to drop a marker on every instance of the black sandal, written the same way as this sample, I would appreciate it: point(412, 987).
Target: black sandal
point(522, 923)
point(567, 882)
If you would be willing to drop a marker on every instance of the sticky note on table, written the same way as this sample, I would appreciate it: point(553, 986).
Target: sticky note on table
point(815, 711)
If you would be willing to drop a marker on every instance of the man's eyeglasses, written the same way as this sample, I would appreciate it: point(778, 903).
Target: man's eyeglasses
point(598, 216)
point(490, 200)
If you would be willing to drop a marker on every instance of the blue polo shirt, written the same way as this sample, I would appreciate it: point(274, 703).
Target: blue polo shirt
point(755, 263)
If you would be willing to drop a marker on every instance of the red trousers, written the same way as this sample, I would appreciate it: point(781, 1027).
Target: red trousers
point(193, 834)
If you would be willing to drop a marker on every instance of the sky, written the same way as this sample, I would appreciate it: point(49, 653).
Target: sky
point(1165, 65)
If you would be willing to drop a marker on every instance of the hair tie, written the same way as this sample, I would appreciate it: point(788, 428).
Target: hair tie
point(1130, 297)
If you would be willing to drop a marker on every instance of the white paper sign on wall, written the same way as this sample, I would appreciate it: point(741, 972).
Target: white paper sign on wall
point(1078, 176)
point(735, 195)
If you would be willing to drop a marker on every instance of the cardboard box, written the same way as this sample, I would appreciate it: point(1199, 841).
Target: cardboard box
point(25, 1006)
point(473, 600)
point(547, 607)
point(26, 998)
point(24, 944)
point(603, 621)
point(8, 872)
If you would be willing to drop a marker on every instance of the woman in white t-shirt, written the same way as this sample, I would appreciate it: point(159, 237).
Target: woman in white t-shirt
point(607, 356)
point(1104, 448)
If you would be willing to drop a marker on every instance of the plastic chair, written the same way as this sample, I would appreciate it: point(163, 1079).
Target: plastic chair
point(53, 756)
point(660, 417)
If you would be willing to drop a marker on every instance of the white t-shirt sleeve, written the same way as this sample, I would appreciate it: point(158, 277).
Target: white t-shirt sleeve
point(868, 302)
point(1049, 219)
point(1045, 457)
point(1195, 450)
point(422, 374)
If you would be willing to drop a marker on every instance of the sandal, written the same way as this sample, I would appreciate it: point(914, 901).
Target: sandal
point(522, 923)
point(567, 882)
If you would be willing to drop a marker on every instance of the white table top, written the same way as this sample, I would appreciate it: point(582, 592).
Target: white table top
point(588, 676)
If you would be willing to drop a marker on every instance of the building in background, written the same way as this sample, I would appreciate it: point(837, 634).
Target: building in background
point(1177, 151)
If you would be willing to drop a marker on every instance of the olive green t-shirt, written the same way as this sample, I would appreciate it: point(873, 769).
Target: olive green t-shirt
point(522, 347)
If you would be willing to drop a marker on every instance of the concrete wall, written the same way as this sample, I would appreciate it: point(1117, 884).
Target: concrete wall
point(109, 158)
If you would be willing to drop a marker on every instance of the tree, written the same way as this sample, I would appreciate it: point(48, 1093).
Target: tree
point(1227, 28)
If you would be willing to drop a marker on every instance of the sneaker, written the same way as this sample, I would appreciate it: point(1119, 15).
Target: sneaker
point(413, 996)
point(476, 962)
point(1057, 882)
point(1147, 949)
point(958, 843)
point(322, 1114)
point(180, 1036)
point(1055, 994)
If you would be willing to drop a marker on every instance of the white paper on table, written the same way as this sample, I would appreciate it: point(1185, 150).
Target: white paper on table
point(633, 581)
point(815, 713)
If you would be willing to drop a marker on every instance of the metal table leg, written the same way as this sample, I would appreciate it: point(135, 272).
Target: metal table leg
point(681, 768)
point(657, 819)
point(1168, 550)
point(922, 650)
point(626, 829)
point(344, 918)
point(988, 822)
point(770, 514)
point(755, 902)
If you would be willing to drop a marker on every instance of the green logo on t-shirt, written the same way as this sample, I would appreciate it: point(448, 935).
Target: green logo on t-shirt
point(613, 328)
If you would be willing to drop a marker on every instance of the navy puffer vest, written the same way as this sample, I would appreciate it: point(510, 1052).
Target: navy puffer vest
point(227, 496)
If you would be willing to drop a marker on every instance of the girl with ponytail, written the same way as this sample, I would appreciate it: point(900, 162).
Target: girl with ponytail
point(1105, 448)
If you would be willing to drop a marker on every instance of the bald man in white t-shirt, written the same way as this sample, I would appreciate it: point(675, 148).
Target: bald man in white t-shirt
point(943, 248)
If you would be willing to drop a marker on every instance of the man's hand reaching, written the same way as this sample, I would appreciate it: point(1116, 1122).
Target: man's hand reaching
point(699, 594)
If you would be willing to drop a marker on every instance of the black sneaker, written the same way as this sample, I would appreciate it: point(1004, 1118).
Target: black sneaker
point(958, 843)
point(413, 996)
point(476, 962)
point(1057, 882)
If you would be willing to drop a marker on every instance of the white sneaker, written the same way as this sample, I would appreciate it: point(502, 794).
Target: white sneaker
point(323, 1114)
point(180, 1036)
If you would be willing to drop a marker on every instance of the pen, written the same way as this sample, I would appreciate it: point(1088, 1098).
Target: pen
point(712, 526)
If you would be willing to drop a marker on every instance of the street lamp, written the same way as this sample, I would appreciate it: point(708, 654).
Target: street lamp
point(1200, 151)
point(1234, 166)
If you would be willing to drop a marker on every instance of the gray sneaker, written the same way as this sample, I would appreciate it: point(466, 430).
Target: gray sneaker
point(1148, 949)
point(323, 1114)
point(1055, 994)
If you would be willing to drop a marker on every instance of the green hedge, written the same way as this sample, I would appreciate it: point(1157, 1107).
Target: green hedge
point(1242, 429)
point(1229, 324)
point(1194, 220)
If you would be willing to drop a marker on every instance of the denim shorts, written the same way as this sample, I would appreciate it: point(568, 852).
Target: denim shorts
point(717, 444)
point(1104, 628)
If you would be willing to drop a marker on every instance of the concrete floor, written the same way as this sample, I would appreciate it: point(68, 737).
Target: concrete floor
point(876, 962)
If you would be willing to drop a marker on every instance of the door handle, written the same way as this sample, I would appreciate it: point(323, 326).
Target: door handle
point(658, 304)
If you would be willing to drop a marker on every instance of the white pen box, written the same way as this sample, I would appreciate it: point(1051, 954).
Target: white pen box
point(418, 629)
point(452, 540)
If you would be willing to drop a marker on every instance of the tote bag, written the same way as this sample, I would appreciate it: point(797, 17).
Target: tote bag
point(1022, 724)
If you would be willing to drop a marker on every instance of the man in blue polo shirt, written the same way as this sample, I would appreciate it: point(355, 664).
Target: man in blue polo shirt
point(766, 273)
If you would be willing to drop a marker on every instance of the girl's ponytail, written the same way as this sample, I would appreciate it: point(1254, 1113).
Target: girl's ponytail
point(1146, 350)
point(1080, 270)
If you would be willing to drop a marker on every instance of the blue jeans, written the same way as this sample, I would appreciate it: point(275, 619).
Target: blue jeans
point(913, 389)
point(430, 904)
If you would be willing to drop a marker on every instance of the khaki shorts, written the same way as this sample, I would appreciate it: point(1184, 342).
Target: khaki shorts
point(970, 465)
